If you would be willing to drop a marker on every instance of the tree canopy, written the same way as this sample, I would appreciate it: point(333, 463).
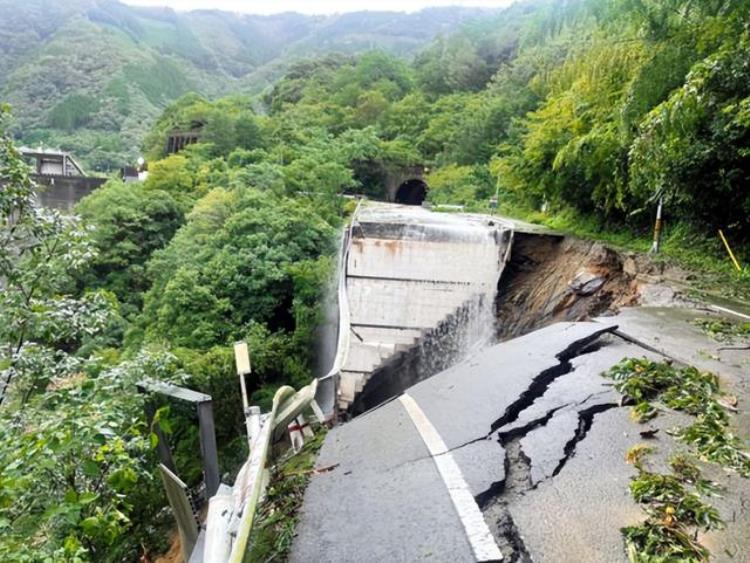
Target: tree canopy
point(595, 106)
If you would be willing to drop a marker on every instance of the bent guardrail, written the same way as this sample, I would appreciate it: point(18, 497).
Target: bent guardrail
point(231, 512)
point(250, 481)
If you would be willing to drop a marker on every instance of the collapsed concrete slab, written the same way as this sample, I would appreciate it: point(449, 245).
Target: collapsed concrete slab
point(385, 500)
point(540, 439)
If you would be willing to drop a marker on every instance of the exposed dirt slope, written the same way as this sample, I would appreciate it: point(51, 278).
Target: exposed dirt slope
point(554, 278)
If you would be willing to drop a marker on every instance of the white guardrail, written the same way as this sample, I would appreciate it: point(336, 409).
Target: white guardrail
point(231, 511)
point(328, 385)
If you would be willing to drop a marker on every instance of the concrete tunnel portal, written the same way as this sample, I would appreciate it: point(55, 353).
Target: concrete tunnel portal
point(412, 192)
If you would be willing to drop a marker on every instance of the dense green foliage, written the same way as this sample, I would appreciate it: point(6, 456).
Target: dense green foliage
point(590, 107)
point(132, 222)
point(152, 280)
point(75, 462)
point(605, 106)
point(221, 244)
point(600, 105)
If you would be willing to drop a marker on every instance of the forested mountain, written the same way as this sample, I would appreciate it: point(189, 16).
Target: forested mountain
point(90, 76)
point(590, 109)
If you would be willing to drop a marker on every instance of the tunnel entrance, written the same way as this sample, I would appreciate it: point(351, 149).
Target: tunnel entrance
point(412, 192)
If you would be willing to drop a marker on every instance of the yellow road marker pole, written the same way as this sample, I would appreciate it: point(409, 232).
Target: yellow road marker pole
point(729, 250)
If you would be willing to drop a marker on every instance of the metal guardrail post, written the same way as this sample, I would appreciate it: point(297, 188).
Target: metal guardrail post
point(253, 423)
point(208, 447)
point(206, 429)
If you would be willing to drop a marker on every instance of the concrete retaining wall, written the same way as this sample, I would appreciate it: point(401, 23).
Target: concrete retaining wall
point(63, 192)
point(409, 271)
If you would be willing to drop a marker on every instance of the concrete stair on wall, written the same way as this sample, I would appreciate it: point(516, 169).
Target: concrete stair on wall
point(383, 342)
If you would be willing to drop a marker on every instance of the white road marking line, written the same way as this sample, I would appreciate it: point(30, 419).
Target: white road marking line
point(480, 538)
point(730, 311)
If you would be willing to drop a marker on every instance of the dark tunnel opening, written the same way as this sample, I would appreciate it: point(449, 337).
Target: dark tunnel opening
point(412, 192)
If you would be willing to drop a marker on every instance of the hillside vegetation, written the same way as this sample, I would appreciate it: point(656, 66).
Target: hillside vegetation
point(590, 109)
point(91, 76)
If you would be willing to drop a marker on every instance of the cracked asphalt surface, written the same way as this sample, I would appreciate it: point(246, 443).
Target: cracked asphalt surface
point(540, 439)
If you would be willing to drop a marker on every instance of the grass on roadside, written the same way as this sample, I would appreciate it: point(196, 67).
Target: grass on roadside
point(272, 535)
point(722, 330)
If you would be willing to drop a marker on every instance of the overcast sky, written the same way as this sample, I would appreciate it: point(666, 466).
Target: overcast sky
point(314, 6)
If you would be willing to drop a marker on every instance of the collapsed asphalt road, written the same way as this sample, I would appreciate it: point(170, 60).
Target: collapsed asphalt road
point(525, 433)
